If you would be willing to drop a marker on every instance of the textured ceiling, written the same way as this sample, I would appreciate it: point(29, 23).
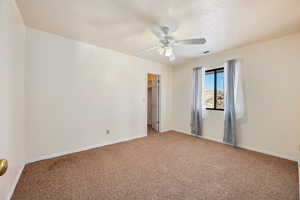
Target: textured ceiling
point(125, 25)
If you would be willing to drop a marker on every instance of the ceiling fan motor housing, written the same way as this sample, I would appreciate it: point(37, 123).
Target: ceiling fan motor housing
point(167, 41)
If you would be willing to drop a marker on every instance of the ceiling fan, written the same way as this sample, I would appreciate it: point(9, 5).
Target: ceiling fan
point(167, 42)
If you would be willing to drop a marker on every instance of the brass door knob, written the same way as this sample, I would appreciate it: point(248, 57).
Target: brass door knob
point(3, 166)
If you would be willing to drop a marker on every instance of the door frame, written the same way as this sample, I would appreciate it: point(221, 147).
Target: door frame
point(159, 100)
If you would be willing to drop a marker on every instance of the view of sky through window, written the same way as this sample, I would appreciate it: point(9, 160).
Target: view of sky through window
point(209, 92)
point(210, 81)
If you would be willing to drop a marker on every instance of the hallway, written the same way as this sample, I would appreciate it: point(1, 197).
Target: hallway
point(152, 132)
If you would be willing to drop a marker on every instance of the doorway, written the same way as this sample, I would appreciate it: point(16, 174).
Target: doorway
point(153, 104)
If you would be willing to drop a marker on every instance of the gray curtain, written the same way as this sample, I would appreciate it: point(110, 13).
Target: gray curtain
point(230, 110)
point(197, 114)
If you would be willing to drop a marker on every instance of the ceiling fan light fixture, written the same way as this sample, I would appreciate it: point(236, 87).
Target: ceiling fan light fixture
point(161, 51)
point(172, 57)
point(168, 51)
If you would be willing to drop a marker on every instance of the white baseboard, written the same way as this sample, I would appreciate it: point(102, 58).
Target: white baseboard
point(11, 192)
point(54, 155)
point(242, 147)
point(269, 153)
point(165, 130)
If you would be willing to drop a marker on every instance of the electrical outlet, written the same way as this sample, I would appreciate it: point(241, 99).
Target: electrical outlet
point(107, 131)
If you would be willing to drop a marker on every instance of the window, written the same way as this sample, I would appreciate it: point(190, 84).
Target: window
point(214, 89)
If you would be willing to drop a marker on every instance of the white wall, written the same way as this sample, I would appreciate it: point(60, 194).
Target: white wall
point(12, 99)
point(77, 91)
point(271, 72)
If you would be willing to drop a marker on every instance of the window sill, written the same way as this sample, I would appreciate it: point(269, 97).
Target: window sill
point(212, 109)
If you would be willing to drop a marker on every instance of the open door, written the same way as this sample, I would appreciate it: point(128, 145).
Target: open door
point(155, 103)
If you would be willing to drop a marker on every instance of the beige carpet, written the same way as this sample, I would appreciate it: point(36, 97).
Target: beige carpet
point(168, 166)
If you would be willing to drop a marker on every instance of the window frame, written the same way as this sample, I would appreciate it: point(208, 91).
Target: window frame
point(215, 71)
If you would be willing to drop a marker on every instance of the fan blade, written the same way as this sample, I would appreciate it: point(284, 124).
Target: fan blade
point(158, 32)
point(191, 41)
point(148, 49)
point(152, 48)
